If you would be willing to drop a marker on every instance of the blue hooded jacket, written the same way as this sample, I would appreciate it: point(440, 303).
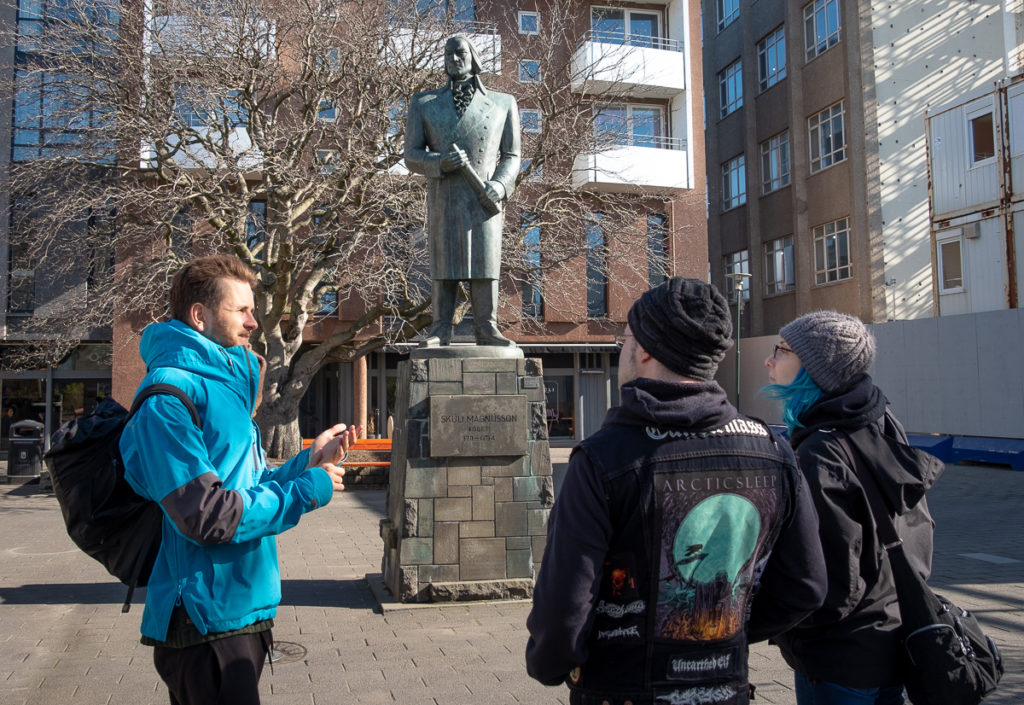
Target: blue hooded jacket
point(222, 505)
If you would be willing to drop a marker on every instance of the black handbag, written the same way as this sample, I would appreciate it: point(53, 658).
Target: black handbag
point(949, 659)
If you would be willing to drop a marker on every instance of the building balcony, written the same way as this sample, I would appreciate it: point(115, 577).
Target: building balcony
point(617, 64)
point(646, 164)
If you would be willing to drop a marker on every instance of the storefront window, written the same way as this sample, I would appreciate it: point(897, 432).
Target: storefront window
point(559, 396)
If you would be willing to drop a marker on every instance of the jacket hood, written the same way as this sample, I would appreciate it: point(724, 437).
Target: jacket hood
point(854, 407)
point(174, 344)
point(694, 406)
point(903, 473)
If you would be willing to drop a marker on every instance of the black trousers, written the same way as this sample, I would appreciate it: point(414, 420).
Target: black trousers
point(220, 672)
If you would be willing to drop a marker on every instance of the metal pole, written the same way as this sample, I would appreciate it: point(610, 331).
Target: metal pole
point(737, 280)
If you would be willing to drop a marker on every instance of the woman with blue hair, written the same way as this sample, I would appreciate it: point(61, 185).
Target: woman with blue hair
point(848, 651)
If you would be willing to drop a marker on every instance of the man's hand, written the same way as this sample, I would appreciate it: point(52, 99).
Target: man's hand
point(331, 446)
point(337, 475)
point(455, 159)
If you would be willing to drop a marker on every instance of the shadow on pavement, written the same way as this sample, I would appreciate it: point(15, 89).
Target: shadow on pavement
point(69, 594)
point(352, 593)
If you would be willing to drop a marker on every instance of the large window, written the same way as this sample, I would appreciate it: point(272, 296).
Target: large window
point(640, 28)
point(827, 137)
point(832, 252)
point(457, 10)
point(54, 114)
point(197, 110)
point(982, 136)
point(256, 223)
point(730, 88)
point(775, 163)
point(951, 266)
point(734, 183)
point(635, 125)
point(822, 26)
point(533, 303)
point(771, 59)
point(728, 11)
point(737, 263)
point(778, 266)
point(597, 272)
point(657, 249)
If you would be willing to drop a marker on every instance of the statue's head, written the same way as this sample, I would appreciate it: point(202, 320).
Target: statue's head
point(461, 59)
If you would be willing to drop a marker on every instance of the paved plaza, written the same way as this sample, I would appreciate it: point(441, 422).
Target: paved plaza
point(64, 640)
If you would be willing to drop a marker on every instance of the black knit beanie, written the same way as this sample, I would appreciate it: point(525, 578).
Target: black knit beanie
point(685, 325)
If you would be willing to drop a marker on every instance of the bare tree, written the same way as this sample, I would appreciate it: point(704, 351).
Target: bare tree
point(272, 130)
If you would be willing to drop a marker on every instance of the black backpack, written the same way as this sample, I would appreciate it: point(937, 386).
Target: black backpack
point(103, 514)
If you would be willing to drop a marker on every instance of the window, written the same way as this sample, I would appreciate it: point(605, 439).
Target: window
point(529, 120)
point(778, 266)
point(533, 173)
point(771, 59)
point(832, 252)
point(775, 163)
point(631, 125)
point(54, 114)
point(730, 88)
point(529, 23)
point(657, 249)
point(256, 224)
point(328, 111)
point(951, 267)
point(737, 263)
point(21, 292)
point(638, 28)
point(326, 159)
point(822, 24)
point(828, 138)
point(529, 71)
point(196, 110)
point(457, 10)
point(982, 138)
point(728, 11)
point(597, 279)
point(533, 303)
point(734, 183)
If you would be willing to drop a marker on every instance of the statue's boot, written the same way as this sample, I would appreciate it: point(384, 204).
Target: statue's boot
point(441, 330)
point(484, 295)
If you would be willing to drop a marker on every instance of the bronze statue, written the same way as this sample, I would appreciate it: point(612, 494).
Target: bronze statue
point(465, 140)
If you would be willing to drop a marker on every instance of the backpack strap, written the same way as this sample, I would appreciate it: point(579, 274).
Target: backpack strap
point(169, 389)
point(152, 391)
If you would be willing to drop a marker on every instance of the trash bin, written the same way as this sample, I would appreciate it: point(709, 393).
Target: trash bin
point(26, 450)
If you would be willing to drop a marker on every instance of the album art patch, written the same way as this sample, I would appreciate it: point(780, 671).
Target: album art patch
point(713, 526)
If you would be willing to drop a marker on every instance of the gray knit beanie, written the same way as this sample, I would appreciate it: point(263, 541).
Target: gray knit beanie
point(685, 325)
point(833, 347)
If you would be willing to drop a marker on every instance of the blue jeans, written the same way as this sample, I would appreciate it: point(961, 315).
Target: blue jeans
point(810, 692)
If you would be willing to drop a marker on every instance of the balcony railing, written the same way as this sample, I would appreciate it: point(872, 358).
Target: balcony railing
point(641, 41)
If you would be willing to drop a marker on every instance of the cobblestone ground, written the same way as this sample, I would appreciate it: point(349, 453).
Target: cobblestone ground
point(63, 638)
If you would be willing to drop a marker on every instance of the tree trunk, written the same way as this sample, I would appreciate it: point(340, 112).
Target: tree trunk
point(280, 429)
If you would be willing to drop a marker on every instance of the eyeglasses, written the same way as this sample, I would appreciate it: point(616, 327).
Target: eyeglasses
point(620, 340)
point(780, 348)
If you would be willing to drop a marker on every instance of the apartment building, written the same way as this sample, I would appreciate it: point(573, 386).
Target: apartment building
point(637, 64)
point(818, 178)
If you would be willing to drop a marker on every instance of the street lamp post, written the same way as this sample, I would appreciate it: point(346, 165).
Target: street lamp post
point(737, 281)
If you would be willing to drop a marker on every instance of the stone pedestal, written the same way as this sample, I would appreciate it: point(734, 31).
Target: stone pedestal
point(470, 484)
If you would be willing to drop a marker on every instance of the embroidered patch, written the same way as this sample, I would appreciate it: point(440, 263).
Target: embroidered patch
point(708, 695)
point(617, 611)
point(620, 633)
point(712, 666)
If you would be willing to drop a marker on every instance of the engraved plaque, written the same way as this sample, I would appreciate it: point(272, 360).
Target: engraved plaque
point(478, 425)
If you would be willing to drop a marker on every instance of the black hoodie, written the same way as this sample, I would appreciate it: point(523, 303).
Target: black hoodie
point(852, 639)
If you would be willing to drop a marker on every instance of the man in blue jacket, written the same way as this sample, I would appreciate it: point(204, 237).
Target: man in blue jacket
point(682, 532)
point(216, 584)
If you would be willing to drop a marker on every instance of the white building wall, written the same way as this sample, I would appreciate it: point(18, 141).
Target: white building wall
point(926, 54)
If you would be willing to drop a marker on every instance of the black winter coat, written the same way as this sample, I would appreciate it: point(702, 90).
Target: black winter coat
point(853, 638)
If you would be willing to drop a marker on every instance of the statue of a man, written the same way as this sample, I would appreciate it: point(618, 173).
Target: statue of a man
point(465, 140)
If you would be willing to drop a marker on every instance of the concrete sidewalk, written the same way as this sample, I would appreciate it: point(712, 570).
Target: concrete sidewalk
point(64, 640)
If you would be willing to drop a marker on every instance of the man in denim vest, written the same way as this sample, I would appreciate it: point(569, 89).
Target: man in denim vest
point(683, 530)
